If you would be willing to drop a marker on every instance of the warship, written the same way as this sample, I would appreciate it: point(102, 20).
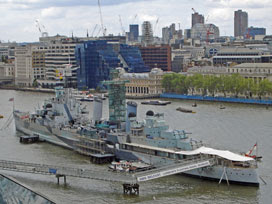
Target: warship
point(153, 142)
point(62, 121)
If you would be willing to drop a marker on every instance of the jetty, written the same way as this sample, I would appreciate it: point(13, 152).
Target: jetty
point(130, 181)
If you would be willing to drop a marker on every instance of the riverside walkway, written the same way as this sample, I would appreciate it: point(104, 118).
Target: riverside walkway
point(217, 99)
point(130, 180)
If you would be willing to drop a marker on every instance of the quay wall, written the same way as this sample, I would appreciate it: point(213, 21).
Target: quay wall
point(41, 90)
point(216, 99)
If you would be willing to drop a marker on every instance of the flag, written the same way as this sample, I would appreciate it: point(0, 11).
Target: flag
point(11, 99)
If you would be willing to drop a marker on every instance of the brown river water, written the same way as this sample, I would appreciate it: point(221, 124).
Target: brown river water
point(237, 128)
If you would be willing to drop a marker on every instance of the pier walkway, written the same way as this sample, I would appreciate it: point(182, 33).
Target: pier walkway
point(130, 180)
point(60, 171)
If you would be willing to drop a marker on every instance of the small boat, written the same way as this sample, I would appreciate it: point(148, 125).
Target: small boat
point(184, 110)
point(88, 99)
point(126, 166)
point(158, 103)
point(1, 116)
point(222, 107)
point(194, 105)
point(120, 166)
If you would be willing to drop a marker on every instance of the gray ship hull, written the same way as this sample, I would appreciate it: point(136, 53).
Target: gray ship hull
point(52, 135)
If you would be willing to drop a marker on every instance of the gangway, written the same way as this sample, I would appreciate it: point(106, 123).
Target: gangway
point(130, 181)
point(60, 171)
point(179, 167)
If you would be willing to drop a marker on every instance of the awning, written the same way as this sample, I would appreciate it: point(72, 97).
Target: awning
point(221, 153)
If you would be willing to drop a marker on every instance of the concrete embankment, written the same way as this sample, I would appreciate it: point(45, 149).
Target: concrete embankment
point(217, 99)
point(41, 90)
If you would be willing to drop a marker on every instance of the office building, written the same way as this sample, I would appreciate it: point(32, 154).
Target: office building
point(252, 31)
point(157, 56)
point(95, 59)
point(143, 84)
point(205, 32)
point(240, 23)
point(147, 33)
point(133, 32)
point(170, 34)
point(237, 55)
point(197, 18)
point(24, 74)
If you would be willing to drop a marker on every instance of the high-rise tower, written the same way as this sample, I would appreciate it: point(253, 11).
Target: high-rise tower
point(147, 33)
point(133, 32)
point(197, 18)
point(240, 23)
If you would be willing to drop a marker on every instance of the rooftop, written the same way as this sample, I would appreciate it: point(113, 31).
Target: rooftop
point(254, 65)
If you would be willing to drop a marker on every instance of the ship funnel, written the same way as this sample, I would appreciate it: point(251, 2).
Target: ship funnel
point(131, 112)
point(97, 109)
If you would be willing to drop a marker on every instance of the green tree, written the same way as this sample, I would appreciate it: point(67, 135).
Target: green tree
point(238, 84)
point(264, 87)
point(180, 84)
point(167, 82)
point(211, 83)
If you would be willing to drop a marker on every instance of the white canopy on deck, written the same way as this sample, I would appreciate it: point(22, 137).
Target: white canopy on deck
point(221, 153)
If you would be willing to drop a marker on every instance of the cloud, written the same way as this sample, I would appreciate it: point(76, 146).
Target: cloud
point(53, 12)
point(67, 16)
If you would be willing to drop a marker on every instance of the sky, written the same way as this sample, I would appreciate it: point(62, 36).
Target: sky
point(19, 17)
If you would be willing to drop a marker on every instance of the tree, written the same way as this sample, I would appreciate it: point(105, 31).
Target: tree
point(196, 82)
point(238, 84)
point(35, 83)
point(167, 82)
point(251, 88)
point(180, 84)
point(264, 87)
point(211, 83)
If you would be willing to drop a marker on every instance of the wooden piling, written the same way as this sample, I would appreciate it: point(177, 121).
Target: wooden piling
point(131, 189)
point(61, 175)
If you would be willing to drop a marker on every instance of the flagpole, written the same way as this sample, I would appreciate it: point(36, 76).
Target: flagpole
point(256, 150)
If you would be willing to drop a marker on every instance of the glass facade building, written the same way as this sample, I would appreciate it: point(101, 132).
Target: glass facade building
point(95, 59)
point(133, 59)
point(252, 31)
point(133, 32)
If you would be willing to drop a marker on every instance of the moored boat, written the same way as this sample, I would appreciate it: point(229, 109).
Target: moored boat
point(184, 110)
point(153, 102)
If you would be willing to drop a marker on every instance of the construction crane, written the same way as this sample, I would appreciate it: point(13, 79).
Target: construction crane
point(134, 18)
point(208, 33)
point(155, 26)
point(98, 32)
point(194, 10)
point(101, 19)
point(41, 28)
point(248, 34)
point(94, 29)
point(122, 28)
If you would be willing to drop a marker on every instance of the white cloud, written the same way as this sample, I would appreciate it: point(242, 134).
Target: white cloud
point(18, 17)
point(53, 12)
